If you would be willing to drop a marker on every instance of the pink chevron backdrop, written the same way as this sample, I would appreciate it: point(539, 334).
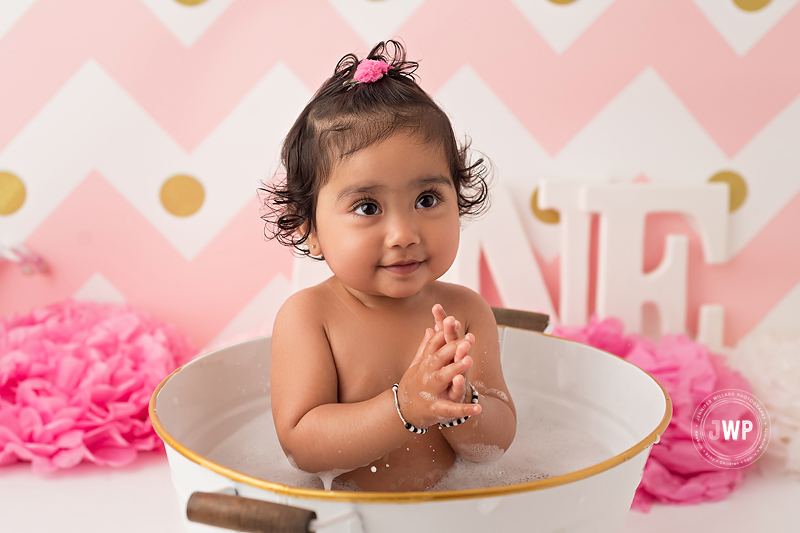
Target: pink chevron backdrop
point(102, 101)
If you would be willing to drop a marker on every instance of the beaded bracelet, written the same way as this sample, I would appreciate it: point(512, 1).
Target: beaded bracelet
point(410, 427)
point(463, 419)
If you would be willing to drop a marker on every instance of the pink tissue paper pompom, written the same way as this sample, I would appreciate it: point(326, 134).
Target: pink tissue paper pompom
point(675, 472)
point(370, 70)
point(75, 383)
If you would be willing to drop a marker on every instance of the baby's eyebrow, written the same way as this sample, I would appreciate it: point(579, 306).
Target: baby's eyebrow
point(436, 180)
point(365, 190)
point(358, 191)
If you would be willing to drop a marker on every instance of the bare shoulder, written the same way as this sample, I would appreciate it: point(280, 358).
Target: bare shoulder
point(302, 308)
point(466, 305)
point(299, 331)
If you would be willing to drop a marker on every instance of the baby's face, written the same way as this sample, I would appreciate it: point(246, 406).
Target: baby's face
point(387, 218)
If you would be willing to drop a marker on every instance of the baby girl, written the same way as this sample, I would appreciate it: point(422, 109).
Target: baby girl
point(382, 373)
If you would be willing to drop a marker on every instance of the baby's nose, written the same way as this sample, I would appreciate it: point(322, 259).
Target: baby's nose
point(402, 232)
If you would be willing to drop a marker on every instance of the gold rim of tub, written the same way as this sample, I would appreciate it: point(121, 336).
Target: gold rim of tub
point(417, 496)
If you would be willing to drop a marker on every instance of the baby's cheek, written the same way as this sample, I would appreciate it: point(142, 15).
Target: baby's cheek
point(446, 243)
point(348, 254)
point(354, 262)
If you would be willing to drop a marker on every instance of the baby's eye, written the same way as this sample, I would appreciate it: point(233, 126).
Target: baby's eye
point(426, 201)
point(367, 209)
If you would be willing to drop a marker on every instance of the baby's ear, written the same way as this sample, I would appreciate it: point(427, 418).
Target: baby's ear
point(313, 245)
point(312, 241)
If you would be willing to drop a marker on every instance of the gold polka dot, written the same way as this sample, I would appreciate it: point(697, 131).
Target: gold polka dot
point(12, 193)
point(182, 195)
point(751, 5)
point(562, 2)
point(548, 216)
point(191, 2)
point(737, 187)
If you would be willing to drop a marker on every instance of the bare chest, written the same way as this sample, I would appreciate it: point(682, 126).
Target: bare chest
point(370, 357)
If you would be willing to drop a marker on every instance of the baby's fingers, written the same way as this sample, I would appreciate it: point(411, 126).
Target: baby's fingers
point(458, 389)
point(432, 353)
point(438, 316)
point(450, 410)
point(451, 329)
point(445, 376)
point(421, 350)
point(439, 355)
point(470, 338)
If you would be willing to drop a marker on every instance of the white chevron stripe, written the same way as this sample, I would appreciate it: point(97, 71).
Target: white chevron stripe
point(770, 164)
point(517, 158)
point(645, 129)
point(98, 289)
point(376, 21)
point(257, 317)
point(782, 319)
point(11, 11)
point(187, 23)
point(743, 29)
point(93, 124)
point(560, 25)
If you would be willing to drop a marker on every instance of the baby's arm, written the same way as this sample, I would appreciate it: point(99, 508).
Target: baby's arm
point(318, 433)
point(496, 425)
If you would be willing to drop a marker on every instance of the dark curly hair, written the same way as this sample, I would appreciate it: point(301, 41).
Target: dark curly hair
point(345, 116)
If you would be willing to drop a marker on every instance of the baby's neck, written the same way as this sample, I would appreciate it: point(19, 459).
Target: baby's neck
point(379, 302)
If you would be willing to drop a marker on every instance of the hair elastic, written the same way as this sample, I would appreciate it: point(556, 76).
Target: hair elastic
point(463, 419)
point(410, 427)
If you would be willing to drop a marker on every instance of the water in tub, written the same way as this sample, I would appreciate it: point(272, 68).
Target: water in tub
point(553, 437)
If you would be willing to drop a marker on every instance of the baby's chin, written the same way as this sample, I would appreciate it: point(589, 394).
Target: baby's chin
point(395, 296)
point(393, 291)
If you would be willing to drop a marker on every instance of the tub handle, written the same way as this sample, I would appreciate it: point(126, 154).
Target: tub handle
point(246, 514)
point(520, 319)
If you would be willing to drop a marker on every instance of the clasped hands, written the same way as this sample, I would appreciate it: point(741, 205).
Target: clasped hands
point(434, 388)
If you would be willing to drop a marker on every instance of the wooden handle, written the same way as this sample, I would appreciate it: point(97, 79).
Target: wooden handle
point(245, 514)
point(515, 318)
